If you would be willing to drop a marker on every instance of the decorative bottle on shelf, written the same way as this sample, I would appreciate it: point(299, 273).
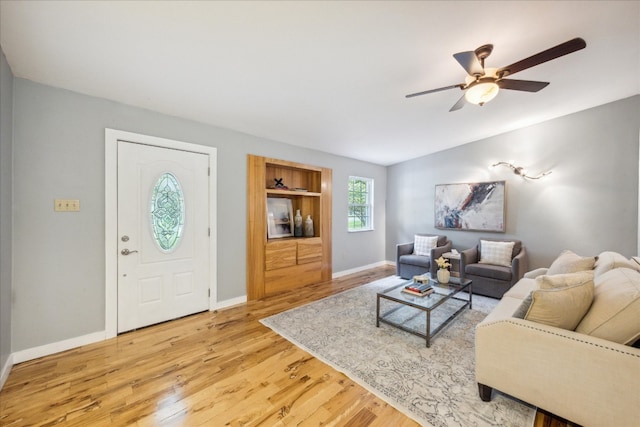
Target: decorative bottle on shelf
point(308, 227)
point(297, 224)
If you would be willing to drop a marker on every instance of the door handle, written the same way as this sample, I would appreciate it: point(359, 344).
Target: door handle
point(126, 251)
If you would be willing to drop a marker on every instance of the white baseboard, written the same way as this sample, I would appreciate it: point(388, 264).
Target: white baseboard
point(230, 303)
point(4, 374)
point(362, 268)
point(243, 299)
point(57, 347)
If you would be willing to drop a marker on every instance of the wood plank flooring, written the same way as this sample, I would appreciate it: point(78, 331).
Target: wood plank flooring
point(220, 368)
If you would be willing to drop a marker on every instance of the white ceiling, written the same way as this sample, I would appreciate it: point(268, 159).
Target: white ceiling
point(329, 75)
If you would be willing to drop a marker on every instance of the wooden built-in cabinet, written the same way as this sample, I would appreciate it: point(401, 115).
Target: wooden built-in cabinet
point(278, 264)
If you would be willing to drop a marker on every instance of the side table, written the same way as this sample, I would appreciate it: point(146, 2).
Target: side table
point(454, 260)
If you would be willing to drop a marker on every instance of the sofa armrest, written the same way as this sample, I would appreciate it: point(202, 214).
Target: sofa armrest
point(535, 273)
point(587, 380)
point(468, 256)
point(519, 265)
point(437, 253)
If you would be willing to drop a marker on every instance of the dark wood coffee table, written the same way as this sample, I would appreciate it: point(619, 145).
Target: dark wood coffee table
point(443, 293)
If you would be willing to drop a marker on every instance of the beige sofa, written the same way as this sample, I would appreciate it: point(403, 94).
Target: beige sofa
point(590, 375)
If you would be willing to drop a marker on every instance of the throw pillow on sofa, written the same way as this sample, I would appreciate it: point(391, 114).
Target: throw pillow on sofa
point(562, 307)
point(422, 245)
point(497, 253)
point(569, 262)
point(563, 280)
point(615, 312)
point(608, 260)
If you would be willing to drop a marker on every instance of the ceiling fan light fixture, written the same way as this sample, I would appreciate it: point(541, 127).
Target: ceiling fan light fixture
point(482, 84)
point(481, 92)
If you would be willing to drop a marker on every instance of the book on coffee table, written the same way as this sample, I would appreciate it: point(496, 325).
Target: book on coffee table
point(418, 289)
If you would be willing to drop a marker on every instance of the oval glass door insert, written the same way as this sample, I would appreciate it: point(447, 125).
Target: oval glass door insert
point(167, 212)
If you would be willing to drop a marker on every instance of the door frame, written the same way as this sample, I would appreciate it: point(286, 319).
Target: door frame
point(112, 136)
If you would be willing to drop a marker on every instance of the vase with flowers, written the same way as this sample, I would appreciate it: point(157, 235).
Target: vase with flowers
point(443, 270)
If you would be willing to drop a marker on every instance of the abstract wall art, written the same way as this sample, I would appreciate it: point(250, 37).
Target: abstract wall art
point(478, 206)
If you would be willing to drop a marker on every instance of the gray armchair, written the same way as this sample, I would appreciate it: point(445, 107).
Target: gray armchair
point(409, 264)
point(489, 279)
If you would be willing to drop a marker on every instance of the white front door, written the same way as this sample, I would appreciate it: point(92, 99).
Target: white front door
point(163, 234)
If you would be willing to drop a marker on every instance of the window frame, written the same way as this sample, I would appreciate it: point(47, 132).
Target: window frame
point(368, 205)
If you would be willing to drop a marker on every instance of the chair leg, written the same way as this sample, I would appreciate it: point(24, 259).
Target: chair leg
point(485, 392)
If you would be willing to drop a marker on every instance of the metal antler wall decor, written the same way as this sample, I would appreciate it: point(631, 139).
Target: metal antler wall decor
point(518, 170)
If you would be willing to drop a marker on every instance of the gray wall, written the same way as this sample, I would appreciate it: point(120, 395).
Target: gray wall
point(6, 142)
point(59, 258)
point(588, 204)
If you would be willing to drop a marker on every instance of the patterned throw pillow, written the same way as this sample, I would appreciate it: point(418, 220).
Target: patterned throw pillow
point(422, 245)
point(497, 253)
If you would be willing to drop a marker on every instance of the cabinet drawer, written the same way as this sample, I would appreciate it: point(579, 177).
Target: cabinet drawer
point(280, 255)
point(292, 278)
point(309, 250)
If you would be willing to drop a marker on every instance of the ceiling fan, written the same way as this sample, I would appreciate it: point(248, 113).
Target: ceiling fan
point(482, 84)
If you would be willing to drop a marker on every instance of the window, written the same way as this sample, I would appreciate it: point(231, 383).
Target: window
point(360, 204)
point(167, 212)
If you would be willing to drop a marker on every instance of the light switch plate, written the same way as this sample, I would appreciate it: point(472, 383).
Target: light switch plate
point(66, 205)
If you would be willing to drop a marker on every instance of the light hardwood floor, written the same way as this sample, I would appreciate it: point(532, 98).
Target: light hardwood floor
point(211, 369)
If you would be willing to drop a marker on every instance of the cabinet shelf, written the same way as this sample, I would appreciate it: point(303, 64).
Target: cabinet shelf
point(292, 193)
point(278, 264)
point(286, 239)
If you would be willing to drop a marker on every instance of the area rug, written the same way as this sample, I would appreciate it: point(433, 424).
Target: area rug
point(435, 386)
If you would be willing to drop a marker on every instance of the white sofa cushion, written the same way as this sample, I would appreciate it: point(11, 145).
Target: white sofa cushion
point(560, 307)
point(504, 310)
point(569, 262)
point(522, 288)
point(615, 312)
point(422, 245)
point(496, 253)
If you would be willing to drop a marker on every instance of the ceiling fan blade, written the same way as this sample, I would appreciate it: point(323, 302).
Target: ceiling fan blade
point(458, 105)
point(461, 85)
point(470, 63)
point(523, 85)
point(544, 56)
